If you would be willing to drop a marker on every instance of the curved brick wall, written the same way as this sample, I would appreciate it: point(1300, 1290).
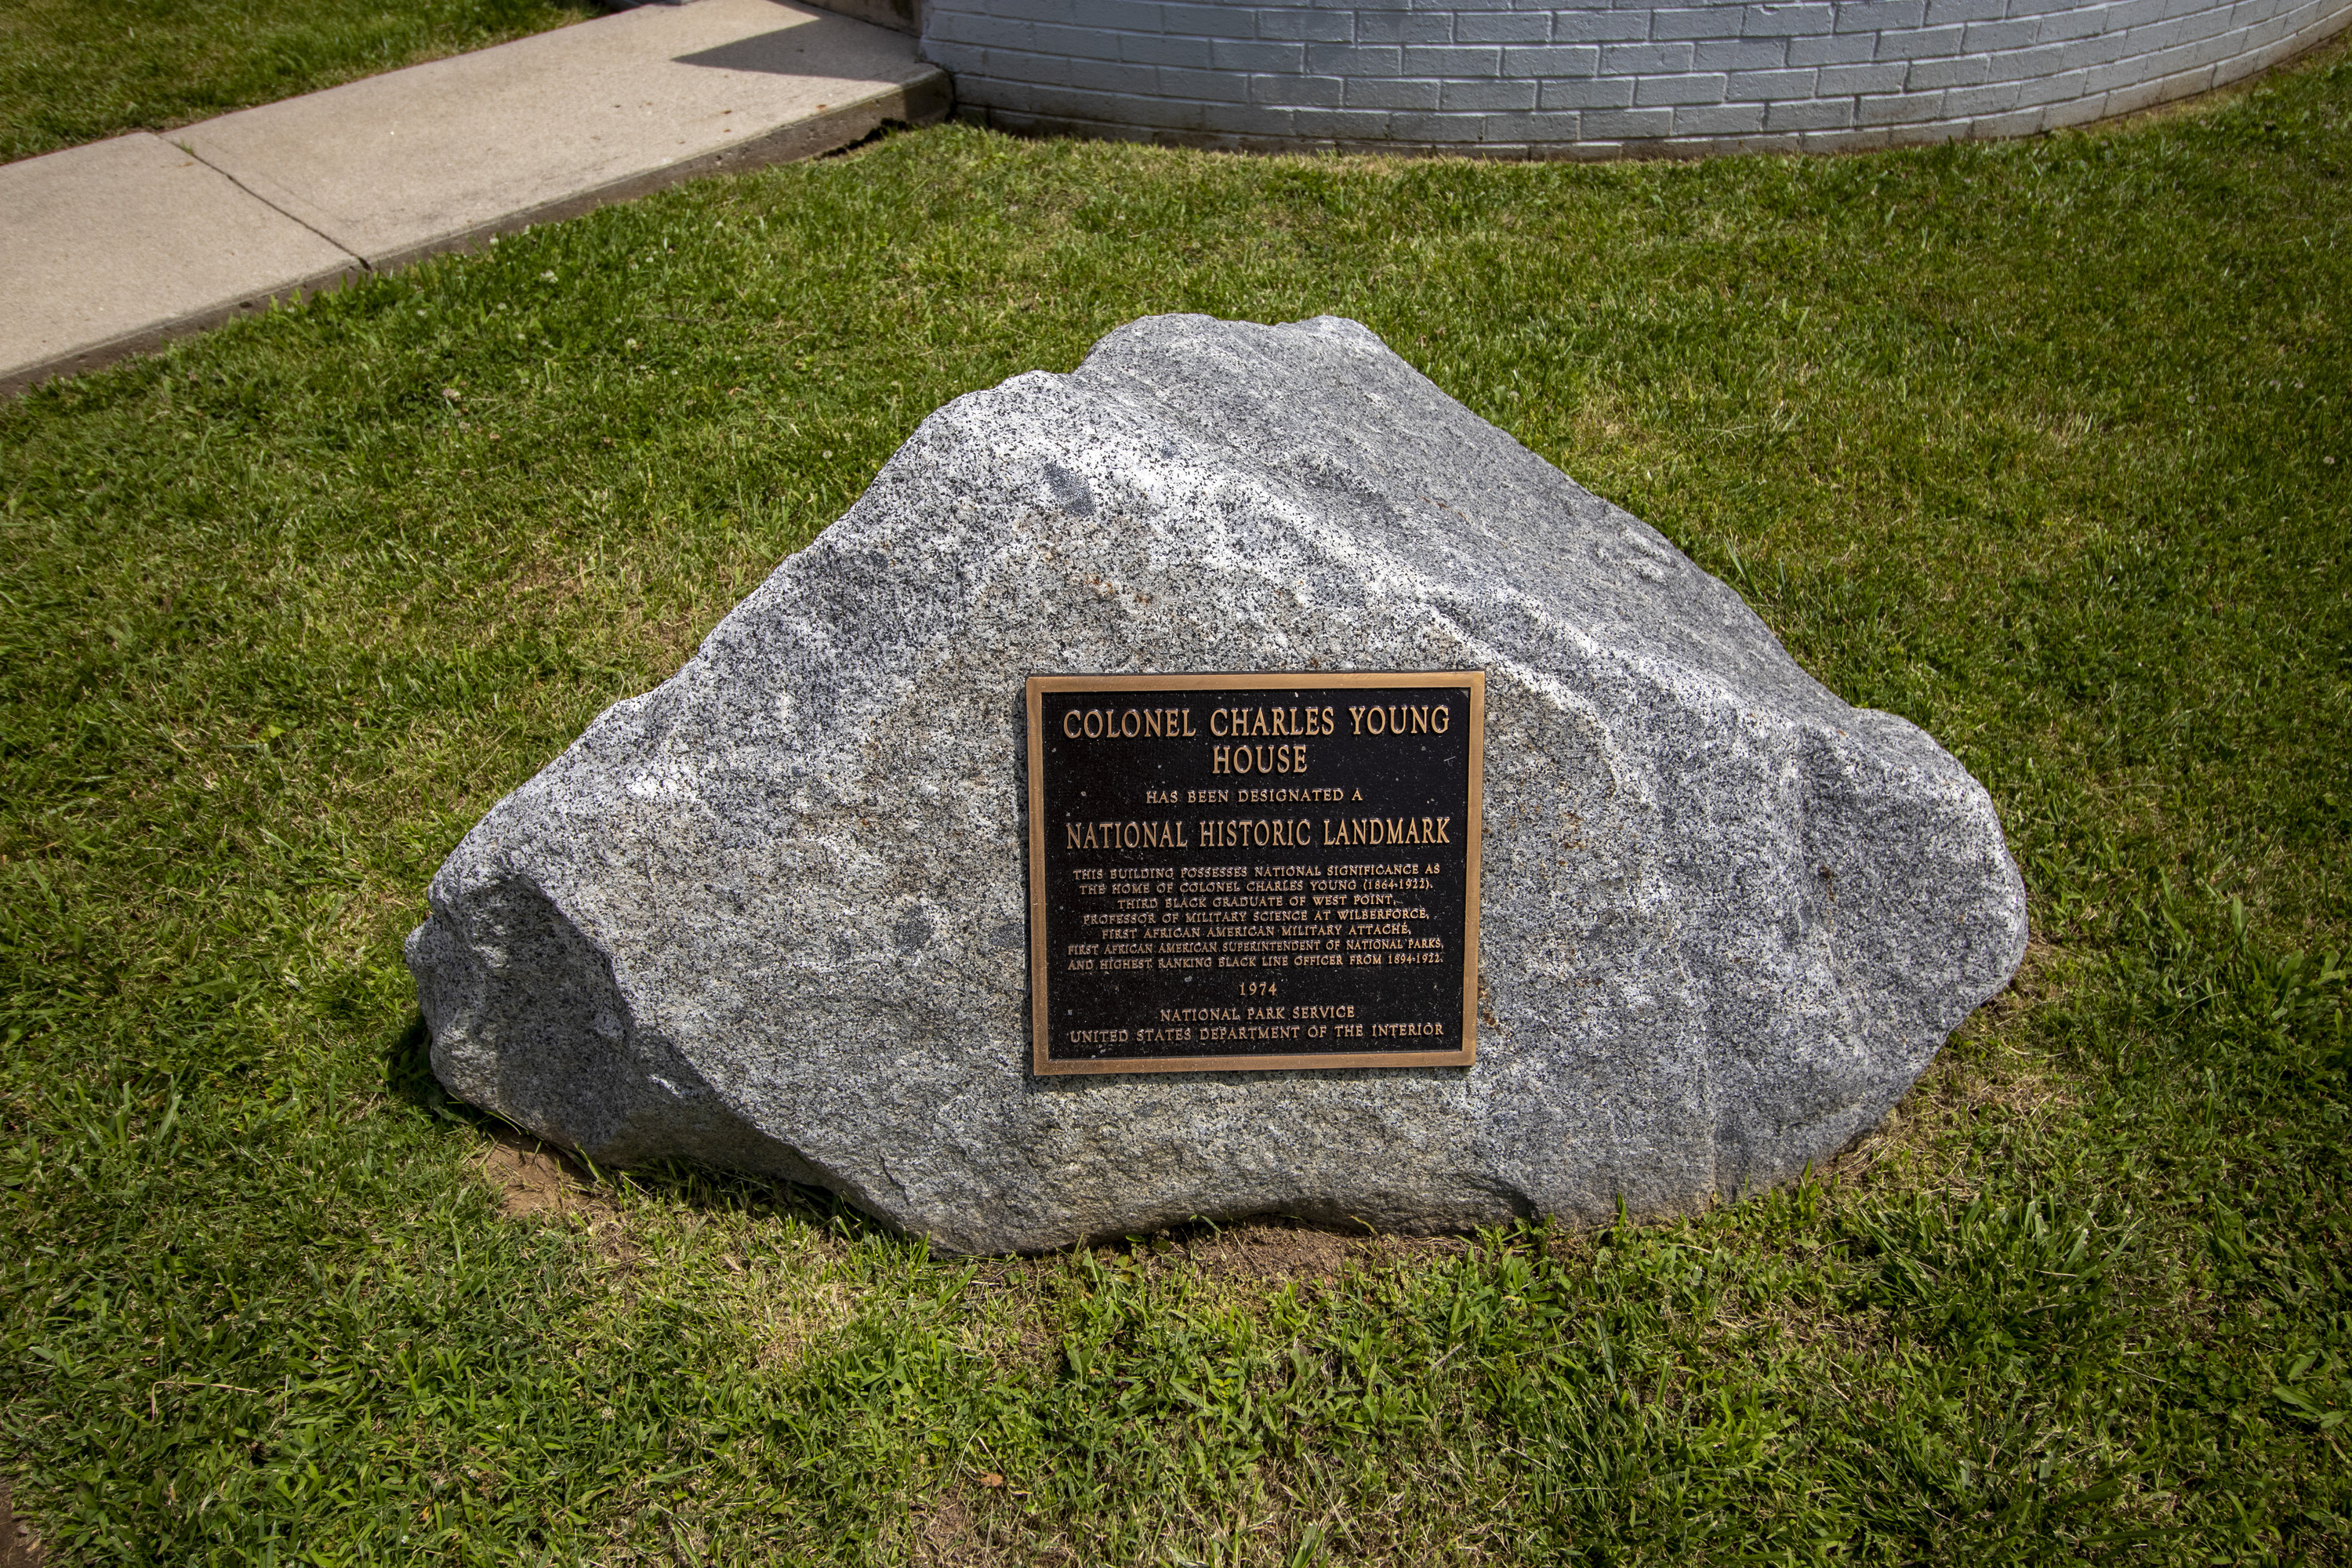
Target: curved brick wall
point(1593, 79)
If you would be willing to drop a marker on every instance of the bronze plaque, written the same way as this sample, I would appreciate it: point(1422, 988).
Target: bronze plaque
point(1254, 871)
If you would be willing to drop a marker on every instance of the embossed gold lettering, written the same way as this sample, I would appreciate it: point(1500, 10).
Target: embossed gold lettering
point(1137, 915)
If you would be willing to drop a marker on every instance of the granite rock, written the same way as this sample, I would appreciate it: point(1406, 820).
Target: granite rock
point(771, 915)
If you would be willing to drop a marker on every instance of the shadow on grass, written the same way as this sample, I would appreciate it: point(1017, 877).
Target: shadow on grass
point(408, 1079)
point(527, 1168)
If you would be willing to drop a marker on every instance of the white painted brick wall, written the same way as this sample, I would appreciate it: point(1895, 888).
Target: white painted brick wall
point(1595, 79)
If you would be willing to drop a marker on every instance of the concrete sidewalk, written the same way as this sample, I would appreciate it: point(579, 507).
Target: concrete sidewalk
point(112, 248)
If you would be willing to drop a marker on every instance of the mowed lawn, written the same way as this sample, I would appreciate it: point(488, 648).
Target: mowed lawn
point(76, 70)
point(2041, 445)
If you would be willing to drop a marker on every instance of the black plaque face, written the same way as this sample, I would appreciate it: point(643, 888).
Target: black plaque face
point(1254, 871)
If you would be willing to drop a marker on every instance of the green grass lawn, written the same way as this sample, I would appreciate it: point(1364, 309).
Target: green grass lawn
point(2042, 445)
point(76, 70)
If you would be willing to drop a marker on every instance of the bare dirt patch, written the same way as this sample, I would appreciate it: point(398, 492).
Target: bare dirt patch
point(19, 1547)
point(533, 1178)
point(1278, 1252)
point(950, 1535)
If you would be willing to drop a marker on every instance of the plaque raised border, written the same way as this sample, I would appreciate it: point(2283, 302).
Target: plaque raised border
point(1041, 968)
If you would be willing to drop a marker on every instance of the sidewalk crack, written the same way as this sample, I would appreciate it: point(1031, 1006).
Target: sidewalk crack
point(312, 229)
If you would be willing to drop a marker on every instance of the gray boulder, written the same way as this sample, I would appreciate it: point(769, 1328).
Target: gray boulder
point(772, 914)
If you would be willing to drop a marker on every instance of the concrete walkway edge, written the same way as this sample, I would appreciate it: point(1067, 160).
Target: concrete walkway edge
point(116, 248)
point(924, 103)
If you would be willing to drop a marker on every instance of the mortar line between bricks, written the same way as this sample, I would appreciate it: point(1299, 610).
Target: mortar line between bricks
point(312, 228)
